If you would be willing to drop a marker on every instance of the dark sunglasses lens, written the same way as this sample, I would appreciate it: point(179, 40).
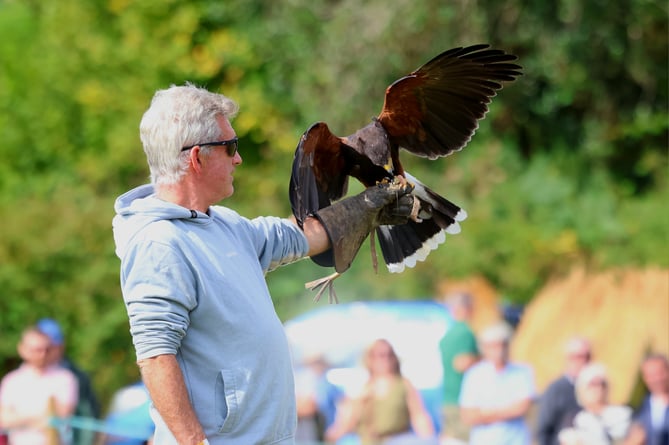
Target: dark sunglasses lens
point(231, 148)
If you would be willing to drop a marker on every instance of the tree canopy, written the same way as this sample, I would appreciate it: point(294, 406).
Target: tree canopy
point(569, 167)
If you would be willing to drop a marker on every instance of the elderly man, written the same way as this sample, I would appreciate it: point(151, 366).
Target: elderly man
point(497, 394)
point(209, 344)
point(558, 402)
point(36, 391)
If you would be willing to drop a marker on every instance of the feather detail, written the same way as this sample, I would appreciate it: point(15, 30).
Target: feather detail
point(405, 245)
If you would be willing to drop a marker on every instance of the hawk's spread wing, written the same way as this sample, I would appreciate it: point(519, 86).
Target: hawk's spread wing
point(432, 112)
point(435, 110)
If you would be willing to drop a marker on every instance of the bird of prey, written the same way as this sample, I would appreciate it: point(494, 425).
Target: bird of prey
point(431, 113)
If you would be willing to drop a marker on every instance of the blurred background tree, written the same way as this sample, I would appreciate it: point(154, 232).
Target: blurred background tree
point(570, 167)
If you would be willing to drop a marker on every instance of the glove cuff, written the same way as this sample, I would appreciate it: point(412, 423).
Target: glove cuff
point(347, 224)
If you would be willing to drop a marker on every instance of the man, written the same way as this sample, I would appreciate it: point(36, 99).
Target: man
point(36, 391)
point(558, 402)
point(88, 403)
point(653, 416)
point(210, 347)
point(496, 394)
point(458, 354)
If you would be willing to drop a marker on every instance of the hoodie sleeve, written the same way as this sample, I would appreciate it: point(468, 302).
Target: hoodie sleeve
point(278, 242)
point(159, 293)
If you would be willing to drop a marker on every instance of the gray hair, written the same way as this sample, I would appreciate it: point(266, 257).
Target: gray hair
point(180, 116)
point(577, 344)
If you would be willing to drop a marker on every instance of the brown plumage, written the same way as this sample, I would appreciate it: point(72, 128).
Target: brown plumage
point(431, 113)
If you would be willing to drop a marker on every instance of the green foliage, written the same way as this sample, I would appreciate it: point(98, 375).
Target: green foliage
point(569, 167)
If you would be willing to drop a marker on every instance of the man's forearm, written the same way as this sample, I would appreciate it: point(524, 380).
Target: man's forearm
point(484, 416)
point(164, 380)
point(316, 235)
point(10, 419)
point(514, 410)
point(462, 362)
point(475, 416)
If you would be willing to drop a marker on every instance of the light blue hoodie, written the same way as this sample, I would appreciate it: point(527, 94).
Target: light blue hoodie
point(194, 286)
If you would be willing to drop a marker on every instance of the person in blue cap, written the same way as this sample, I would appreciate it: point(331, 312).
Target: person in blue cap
point(88, 405)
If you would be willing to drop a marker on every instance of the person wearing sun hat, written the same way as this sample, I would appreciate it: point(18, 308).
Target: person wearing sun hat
point(598, 422)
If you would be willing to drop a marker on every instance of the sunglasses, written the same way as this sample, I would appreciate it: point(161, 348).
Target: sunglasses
point(230, 145)
point(579, 356)
point(598, 382)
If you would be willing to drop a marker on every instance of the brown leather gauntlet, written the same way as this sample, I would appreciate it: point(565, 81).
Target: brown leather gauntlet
point(349, 221)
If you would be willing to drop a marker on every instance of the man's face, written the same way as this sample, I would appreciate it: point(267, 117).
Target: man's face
point(218, 167)
point(577, 355)
point(595, 393)
point(495, 352)
point(34, 349)
point(656, 376)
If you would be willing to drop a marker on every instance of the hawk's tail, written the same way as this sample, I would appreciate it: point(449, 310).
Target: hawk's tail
point(404, 245)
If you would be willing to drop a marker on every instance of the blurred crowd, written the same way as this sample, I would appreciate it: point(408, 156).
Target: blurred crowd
point(48, 400)
point(487, 399)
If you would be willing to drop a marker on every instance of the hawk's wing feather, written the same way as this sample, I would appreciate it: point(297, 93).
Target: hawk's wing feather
point(310, 189)
point(404, 245)
point(321, 167)
point(435, 110)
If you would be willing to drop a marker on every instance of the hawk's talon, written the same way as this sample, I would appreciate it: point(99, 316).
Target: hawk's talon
point(322, 284)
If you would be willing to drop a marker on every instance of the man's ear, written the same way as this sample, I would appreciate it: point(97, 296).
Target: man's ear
point(194, 158)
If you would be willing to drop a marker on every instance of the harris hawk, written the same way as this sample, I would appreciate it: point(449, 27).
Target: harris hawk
point(431, 113)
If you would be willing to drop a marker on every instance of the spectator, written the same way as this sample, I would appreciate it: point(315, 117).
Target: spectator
point(653, 415)
point(212, 351)
point(390, 409)
point(87, 405)
point(497, 394)
point(36, 391)
point(559, 400)
point(598, 422)
point(316, 400)
point(458, 354)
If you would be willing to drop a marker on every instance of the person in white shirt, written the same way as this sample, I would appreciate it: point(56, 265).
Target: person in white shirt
point(497, 394)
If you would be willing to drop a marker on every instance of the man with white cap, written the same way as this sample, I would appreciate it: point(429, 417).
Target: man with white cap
point(497, 394)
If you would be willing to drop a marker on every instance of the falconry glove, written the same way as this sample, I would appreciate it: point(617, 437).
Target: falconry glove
point(349, 221)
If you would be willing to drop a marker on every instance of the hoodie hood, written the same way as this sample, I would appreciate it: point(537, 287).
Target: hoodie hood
point(140, 207)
